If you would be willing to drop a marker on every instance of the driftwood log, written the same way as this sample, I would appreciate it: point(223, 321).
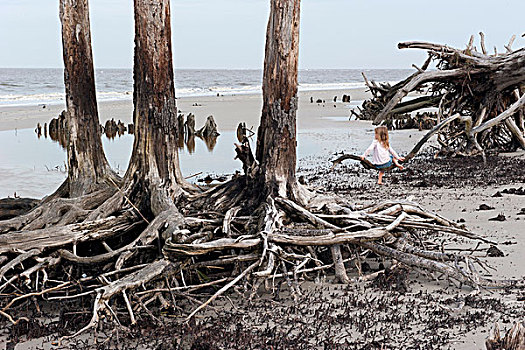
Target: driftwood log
point(368, 165)
point(11, 207)
point(486, 90)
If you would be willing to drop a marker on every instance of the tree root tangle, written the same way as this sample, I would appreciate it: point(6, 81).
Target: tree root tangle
point(483, 93)
point(123, 256)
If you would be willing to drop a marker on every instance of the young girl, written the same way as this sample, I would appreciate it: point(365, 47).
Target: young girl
point(383, 155)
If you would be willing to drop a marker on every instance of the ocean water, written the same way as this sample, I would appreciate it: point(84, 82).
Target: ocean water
point(33, 166)
point(46, 86)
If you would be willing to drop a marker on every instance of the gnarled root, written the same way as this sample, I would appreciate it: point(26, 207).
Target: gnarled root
point(280, 239)
point(57, 212)
point(513, 340)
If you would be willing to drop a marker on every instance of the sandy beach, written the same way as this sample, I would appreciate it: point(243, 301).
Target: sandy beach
point(454, 189)
point(228, 110)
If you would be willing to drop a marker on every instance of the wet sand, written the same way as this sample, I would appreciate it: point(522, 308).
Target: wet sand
point(227, 110)
point(398, 311)
point(34, 167)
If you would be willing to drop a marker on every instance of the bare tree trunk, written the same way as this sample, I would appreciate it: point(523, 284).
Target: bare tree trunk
point(154, 163)
point(277, 134)
point(276, 140)
point(87, 164)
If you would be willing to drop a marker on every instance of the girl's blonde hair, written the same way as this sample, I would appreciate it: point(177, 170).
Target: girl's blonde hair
point(382, 136)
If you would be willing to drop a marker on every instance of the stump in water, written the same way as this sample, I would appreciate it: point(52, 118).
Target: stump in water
point(209, 129)
point(189, 125)
point(111, 129)
point(58, 129)
point(38, 130)
point(208, 133)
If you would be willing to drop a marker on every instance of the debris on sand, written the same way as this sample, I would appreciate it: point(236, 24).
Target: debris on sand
point(484, 207)
point(517, 191)
point(494, 251)
point(500, 217)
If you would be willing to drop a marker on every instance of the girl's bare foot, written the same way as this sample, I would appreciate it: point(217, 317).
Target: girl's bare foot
point(400, 167)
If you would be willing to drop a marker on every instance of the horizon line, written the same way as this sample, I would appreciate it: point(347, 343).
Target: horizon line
point(203, 68)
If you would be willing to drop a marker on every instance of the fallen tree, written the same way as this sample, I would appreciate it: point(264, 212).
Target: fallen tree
point(485, 90)
point(156, 238)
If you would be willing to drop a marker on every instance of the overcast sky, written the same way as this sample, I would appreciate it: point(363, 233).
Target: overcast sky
point(231, 33)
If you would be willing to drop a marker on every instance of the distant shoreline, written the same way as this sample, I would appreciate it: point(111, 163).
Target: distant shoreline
point(56, 99)
point(30, 87)
point(228, 110)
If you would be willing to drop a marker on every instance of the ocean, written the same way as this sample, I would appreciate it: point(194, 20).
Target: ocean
point(23, 86)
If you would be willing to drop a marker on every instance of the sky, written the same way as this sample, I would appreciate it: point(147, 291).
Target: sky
point(230, 34)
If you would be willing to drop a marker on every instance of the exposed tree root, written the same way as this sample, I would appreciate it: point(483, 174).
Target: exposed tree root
point(513, 340)
point(280, 240)
point(130, 282)
point(58, 211)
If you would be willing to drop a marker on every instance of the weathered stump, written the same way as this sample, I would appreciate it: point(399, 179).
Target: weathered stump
point(209, 129)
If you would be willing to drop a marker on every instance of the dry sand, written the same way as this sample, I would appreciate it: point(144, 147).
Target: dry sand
point(406, 314)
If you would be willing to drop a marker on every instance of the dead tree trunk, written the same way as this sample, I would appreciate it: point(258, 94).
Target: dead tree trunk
point(87, 164)
point(276, 139)
point(88, 168)
point(154, 162)
point(277, 135)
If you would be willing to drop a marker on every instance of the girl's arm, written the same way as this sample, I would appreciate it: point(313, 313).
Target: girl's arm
point(369, 149)
point(394, 153)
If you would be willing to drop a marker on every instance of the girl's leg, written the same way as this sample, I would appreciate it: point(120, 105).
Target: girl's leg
point(380, 179)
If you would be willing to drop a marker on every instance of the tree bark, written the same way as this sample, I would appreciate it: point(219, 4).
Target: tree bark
point(154, 162)
point(87, 164)
point(276, 140)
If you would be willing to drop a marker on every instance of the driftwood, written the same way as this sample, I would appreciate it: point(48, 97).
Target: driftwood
point(368, 165)
point(11, 207)
point(513, 340)
point(485, 90)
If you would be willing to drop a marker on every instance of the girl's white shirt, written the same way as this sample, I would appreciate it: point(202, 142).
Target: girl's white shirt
point(380, 154)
